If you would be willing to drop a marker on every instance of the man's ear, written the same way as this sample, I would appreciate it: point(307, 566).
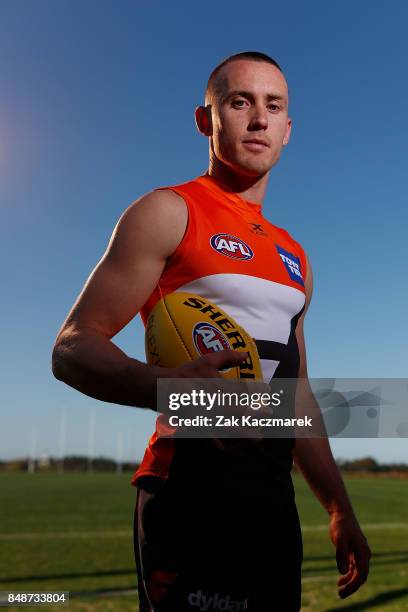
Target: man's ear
point(203, 119)
point(288, 132)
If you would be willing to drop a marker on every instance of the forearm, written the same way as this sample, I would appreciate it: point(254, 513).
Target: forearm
point(94, 365)
point(314, 458)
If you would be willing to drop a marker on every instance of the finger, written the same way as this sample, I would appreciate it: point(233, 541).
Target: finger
point(342, 558)
point(362, 554)
point(360, 573)
point(346, 588)
point(359, 576)
point(224, 359)
point(261, 389)
point(353, 585)
point(345, 578)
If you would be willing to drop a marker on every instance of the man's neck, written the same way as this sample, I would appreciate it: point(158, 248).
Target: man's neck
point(250, 188)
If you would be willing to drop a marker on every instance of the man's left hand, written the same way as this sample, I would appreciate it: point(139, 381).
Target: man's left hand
point(352, 552)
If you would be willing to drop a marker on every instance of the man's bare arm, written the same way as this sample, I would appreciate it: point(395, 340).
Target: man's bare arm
point(84, 356)
point(314, 459)
point(313, 455)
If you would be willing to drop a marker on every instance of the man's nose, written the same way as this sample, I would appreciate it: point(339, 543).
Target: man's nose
point(259, 118)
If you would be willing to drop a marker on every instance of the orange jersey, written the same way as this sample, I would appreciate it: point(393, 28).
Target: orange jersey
point(233, 256)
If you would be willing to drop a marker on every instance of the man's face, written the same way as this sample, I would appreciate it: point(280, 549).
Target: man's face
point(252, 104)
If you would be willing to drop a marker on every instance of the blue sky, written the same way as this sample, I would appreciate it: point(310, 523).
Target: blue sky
point(96, 108)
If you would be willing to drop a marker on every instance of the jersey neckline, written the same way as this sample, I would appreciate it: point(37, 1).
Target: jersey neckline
point(218, 187)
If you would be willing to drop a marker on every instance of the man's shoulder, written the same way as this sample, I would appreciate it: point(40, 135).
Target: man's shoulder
point(158, 196)
point(173, 193)
point(165, 201)
point(162, 202)
point(154, 223)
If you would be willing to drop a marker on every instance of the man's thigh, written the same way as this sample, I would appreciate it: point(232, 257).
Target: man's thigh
point(221, 556)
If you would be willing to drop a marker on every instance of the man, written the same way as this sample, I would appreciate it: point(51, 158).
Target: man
point(216, 527)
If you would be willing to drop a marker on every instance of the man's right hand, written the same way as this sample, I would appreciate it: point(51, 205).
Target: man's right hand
point(208, 366)
point(205, 367)
point(187, 379)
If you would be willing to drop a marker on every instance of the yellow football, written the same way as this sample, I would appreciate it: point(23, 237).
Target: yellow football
point(183, 326)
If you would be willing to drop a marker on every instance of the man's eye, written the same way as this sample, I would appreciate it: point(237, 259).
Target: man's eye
point(238, 103)
point(274, 107)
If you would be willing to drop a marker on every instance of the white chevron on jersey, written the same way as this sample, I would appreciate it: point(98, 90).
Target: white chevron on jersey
point(262, 307)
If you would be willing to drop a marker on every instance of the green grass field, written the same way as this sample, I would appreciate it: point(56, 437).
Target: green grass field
point(73, 532)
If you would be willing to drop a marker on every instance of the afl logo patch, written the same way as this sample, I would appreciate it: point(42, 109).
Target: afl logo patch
point(207, 339)
point(231, 246)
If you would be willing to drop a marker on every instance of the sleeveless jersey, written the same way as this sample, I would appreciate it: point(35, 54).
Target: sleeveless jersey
point(233, 256)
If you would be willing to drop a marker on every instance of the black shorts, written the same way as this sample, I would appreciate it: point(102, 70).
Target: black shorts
point(194, 552)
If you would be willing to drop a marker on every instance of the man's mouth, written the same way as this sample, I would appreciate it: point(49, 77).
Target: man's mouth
point(256, 144)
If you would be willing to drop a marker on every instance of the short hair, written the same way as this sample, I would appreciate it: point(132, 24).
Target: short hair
point(213, 85)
